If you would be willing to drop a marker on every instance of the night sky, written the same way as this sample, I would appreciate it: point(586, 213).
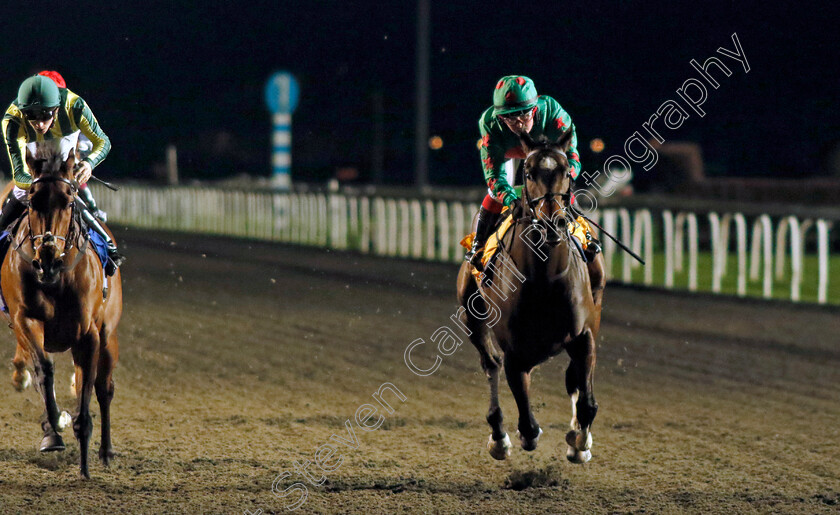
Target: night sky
point(194, 76)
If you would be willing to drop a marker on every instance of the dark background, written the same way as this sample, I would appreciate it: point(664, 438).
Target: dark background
point(194, 75)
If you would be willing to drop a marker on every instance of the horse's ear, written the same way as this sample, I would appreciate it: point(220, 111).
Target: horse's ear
point(565, 139)
point(70, 164)
point(528, 142)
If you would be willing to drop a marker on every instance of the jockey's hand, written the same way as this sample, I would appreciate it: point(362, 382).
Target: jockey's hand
point(83, 172)
point(516, 209)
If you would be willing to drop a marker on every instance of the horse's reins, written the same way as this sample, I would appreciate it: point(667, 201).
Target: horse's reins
point(47, 238)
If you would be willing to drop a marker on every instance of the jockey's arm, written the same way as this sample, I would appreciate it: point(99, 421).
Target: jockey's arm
point(14, 139)
point(87, 124)
point(492, 162)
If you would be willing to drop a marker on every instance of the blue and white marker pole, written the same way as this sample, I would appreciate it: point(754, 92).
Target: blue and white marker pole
point(281, 95)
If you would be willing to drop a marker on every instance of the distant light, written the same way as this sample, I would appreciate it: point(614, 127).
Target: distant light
point(435, 143)
point(596, 145)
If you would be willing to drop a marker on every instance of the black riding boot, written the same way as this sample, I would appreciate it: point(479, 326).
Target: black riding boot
point(593, 247)
point(11, 212)
point(87, 196)
point(115, 259)
point(486, 223)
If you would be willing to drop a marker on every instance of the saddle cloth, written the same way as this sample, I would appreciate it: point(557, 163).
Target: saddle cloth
point(578, 228)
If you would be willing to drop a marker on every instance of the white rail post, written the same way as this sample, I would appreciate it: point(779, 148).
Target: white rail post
point(416, 229)
point(668, 237)
point(405, 228)
point(719, 249)
point(364, 225)
point(763, 233)
point(458, 231)
point(393, 227)
point(822, 251)
point(610, 224)
point(429, 208)
point(789, 225)
point(443, 231)
point(643, 230)
point(353, 231)
point(626, 237)
point(380, 243)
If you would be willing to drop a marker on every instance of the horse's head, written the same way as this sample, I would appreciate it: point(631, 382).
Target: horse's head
point(51, 208)
point(548, 180)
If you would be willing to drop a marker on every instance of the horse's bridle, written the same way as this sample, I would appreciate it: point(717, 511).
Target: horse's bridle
point(48, 239)
point(531, 203)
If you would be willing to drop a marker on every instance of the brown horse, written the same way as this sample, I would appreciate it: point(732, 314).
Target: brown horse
point(536, 300)
point(53, 283)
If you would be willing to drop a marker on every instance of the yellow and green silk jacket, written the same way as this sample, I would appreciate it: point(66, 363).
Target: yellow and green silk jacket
point(73, 116)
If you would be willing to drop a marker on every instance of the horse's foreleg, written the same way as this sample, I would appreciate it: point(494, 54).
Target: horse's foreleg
point(21, 378)
point(499, 442)
point(104, 386)
point(579, 385)
point(85, 357)
point(519, 380)
point(30, 341)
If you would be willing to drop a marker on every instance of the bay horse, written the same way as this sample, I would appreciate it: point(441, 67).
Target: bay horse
point(537, 303)
point(53, 284)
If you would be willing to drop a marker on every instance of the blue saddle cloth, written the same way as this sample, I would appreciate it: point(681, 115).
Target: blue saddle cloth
point(100, 246)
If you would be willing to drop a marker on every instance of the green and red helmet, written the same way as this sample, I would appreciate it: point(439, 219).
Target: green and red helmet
point(514, 93)
point(38, 92)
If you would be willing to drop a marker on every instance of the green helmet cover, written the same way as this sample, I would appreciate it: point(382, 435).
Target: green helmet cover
point(514, 93)
point(38, 92)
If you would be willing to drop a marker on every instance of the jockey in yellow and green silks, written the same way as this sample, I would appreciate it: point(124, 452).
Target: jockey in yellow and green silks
point(44, 114)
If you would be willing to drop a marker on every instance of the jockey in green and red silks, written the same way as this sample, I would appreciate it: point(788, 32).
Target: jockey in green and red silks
point(516, 108)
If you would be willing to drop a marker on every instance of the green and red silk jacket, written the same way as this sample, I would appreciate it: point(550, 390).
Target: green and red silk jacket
point(498, 144)
point(73, 116)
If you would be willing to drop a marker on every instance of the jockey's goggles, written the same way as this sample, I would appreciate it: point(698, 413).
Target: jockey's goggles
point(522, 116)
point(39, 115)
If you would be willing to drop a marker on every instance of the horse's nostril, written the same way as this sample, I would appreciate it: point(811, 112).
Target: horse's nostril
point(36, 265)
point(57, 265)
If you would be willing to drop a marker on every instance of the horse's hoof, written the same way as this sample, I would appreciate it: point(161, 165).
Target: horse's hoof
point(64, 421)
point(22, 384)
point(84, 474)
point(529, 444)
point(575, 439)
point(576, 456)
point(52, 443)
point(499, 449)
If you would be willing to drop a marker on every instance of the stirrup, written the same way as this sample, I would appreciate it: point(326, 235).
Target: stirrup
point(115, 259)
point(593, 248)
point(474, 256)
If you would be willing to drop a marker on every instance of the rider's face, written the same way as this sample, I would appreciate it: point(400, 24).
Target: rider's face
point(41, 121)
point(522, 121)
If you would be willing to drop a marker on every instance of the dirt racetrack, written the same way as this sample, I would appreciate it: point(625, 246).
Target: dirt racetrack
point(240, 358)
